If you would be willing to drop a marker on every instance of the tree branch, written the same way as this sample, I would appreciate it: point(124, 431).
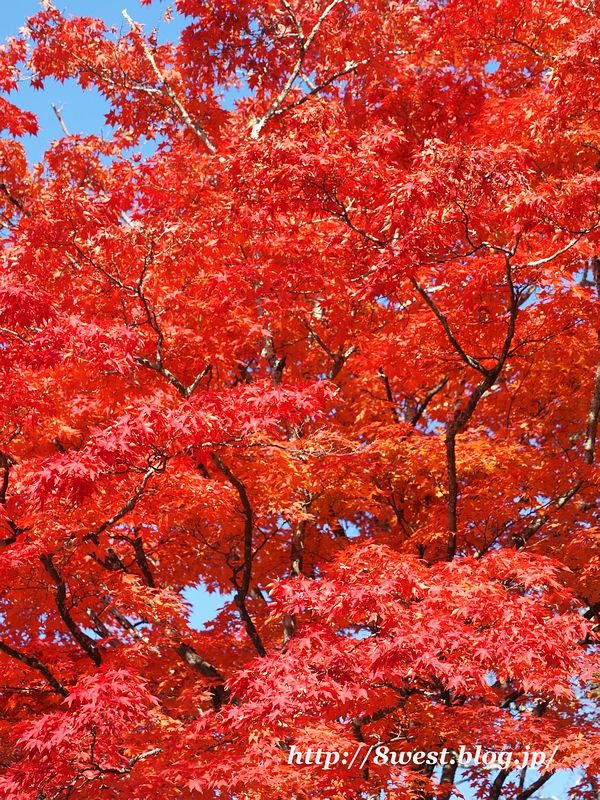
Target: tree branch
point(498, 784)
point(448, 777)
point(462, 416)
point(60, 119)
point(276, 364)
point(427, 399)
point(219, 693)
point(594, 411)
point(123, 770)
point(82, 639)
point(35, 663)
point(123, 621)
point(339, 358)
point(472, 362)
point(142, 561)
point(243, 588)
point(195, 127)
point(152, 320)
point(304, 44)
point(6, 462)
point(519, 540)
point(129, 505)
point(389, 394)
point(297, 561)
point(158, 366)
point(350, 67)
point(533, 787)
point(562, 250)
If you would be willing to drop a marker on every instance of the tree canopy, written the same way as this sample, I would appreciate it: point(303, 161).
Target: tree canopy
point(331, 347)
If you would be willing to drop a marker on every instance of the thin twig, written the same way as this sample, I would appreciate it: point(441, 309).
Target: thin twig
point(60, 119)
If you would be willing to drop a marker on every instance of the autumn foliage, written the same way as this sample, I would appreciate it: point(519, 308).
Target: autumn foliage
point(330, 347)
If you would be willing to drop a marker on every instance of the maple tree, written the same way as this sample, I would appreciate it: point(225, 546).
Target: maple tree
point(334, 350)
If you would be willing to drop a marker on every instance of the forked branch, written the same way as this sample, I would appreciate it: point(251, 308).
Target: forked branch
point(304, 43)
point(464, 414)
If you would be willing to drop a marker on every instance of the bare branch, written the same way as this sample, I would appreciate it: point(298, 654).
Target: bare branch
point(152, 320)
point(592, 420)
point(60, 119)
point(295, 20)
point(17, 203)
point(344, 216)
point(448, 777)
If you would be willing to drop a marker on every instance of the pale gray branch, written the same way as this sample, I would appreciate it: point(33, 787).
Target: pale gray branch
point(304, 43)
point(188, 121)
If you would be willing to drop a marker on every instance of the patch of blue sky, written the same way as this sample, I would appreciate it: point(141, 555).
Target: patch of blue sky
point(205, 605)
point(492, 66)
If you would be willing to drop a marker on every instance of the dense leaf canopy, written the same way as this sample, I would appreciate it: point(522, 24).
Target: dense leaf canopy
point(335, 351)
